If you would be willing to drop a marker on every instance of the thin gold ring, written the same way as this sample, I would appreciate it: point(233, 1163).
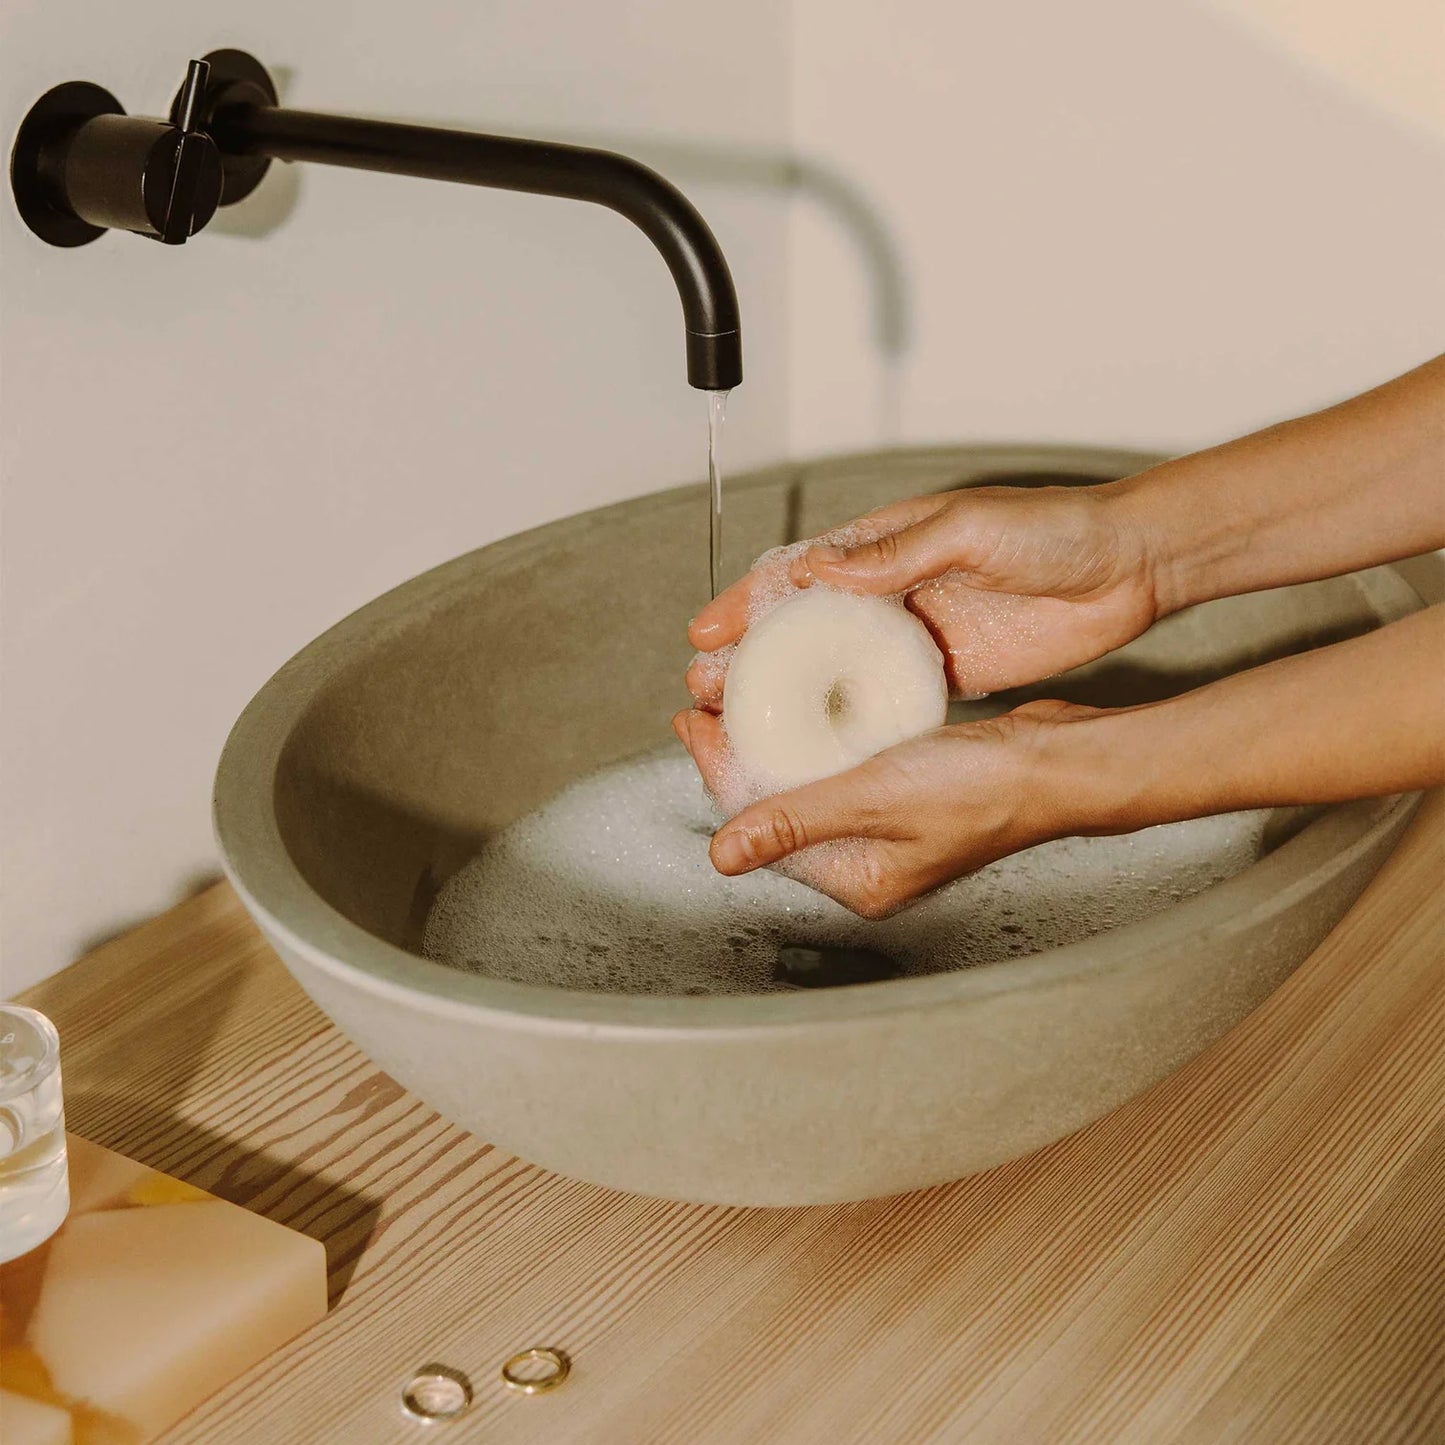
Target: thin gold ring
point(561, 1368)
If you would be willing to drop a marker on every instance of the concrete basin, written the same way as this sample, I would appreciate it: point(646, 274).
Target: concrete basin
point(377, 761)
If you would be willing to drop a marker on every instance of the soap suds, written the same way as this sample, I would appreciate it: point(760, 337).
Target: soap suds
point(608, 888)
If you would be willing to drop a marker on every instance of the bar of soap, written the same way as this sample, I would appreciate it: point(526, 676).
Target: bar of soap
point(151, 1296)
point(826, 680)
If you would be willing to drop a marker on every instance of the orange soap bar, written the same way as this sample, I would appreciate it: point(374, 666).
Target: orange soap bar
point(151, 1297)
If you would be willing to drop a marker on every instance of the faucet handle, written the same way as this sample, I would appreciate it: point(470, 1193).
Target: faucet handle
point(82, 166)
point(187, 113)
point(195, 168)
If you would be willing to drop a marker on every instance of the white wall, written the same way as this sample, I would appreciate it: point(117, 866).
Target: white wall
point(1148, 222)
point(211, 453)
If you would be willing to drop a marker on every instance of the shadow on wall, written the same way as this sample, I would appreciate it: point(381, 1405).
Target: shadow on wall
point(271, 205)
point(1126, 223)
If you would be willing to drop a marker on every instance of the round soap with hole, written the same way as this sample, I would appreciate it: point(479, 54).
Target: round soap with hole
point(826, 680)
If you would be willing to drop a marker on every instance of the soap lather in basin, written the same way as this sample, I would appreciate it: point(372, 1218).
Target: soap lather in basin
point(379, 760)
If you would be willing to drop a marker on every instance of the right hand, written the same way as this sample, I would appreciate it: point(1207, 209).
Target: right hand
point(1016, 584)
point(917, 815)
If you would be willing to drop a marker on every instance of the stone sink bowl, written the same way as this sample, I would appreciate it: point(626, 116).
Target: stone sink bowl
point(371, 767)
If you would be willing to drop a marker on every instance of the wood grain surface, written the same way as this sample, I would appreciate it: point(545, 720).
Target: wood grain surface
point(1252, 1251)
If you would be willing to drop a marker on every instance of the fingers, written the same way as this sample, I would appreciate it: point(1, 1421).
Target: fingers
point(1055, 709)
point(893, 562)
point(907, 827)
point(775, 828)
point(778, 827)
point(702, 735)
point(724, 619)
point(705, 678)
point(703, 686)
point(892, 518)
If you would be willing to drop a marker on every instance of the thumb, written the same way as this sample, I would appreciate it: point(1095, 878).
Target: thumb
point(777, 827)
point(893, 562)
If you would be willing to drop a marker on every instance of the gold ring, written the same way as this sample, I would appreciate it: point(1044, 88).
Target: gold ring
point(561, 1368)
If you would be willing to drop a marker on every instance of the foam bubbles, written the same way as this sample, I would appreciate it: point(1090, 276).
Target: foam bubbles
point(608, 888)
point(772, 571)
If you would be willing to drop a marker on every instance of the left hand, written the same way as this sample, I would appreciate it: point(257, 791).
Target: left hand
point(919, 815)
point(1014, 584)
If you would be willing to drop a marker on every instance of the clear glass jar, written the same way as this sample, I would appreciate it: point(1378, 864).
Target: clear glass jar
point(34, 1183)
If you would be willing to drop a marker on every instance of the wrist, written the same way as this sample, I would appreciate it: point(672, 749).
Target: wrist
point(1115, 771)
point(1181, 538)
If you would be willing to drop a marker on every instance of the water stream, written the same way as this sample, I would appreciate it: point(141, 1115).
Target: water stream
point(717, 403)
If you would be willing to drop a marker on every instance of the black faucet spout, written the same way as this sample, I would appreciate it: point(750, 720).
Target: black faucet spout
point(81, 167)
point(654, 205)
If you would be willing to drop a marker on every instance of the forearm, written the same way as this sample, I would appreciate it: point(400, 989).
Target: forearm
point(1355, 485)
point(1360, 718)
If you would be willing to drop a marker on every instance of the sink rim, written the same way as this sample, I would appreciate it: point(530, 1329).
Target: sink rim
point(259, 865)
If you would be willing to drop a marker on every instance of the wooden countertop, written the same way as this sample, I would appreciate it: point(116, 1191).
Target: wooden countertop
point(1252, 1251)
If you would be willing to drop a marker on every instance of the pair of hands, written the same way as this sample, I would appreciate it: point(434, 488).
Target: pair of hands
point(1019, 584)
point(1015, 585)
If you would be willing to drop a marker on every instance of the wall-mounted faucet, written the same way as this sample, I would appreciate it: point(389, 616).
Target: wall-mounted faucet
point(81, 166)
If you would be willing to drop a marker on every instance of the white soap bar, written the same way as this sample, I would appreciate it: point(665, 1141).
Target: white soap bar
point(826, 680)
